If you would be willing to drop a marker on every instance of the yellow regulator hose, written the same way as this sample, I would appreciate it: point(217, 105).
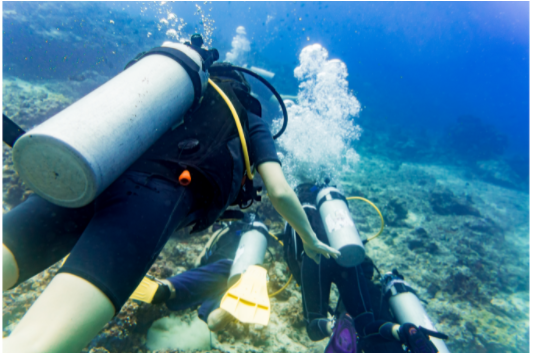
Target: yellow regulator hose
point(291, 276)
point(238, 126)
point(377, 209)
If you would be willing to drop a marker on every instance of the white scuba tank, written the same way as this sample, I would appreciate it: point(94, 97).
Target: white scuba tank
point(340, 228)
point(251, 251)
point(73, 156)
point(406, 306)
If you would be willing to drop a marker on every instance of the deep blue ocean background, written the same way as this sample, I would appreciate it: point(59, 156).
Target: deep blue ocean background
point(444, 147)
point(417, 65)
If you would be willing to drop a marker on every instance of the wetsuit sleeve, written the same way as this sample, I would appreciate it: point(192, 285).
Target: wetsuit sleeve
point(262, 143)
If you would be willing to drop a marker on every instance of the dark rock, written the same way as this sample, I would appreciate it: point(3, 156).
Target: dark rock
point(471, 327)
point(395, 213)
point(433, 289)
point(433, 248)
point(465, 287)
point(421, 232)
point(444, 202)
point(485, 225)
point(414, 244)
point(451, 318)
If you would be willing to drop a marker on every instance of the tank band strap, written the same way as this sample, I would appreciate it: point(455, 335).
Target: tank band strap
point(331, 196)
point(191, 68)
point(261, 227)
point(398, 287)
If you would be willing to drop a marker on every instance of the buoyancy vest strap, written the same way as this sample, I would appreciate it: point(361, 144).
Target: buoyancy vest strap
point(189, 65)
point(10, 131)
point(238, 126)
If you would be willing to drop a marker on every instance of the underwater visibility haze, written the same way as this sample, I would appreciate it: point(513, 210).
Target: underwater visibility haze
point(420, 107)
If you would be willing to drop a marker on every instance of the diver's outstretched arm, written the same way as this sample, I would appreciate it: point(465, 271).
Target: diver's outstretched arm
point(287, 204)
point(65, 318)
point(10, 269)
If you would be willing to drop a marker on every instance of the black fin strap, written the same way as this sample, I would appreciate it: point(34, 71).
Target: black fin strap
point(332, 196)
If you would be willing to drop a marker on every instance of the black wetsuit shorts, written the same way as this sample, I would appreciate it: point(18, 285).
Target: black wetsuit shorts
point(112, 242)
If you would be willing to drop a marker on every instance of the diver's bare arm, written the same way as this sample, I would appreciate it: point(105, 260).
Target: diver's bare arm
point(285, 201)
point(287, 204)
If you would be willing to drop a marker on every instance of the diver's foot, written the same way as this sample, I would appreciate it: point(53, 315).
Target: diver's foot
point(154, 291)
point(218, 319)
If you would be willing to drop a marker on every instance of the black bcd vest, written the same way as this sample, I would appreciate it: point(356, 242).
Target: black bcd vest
point(208, 145)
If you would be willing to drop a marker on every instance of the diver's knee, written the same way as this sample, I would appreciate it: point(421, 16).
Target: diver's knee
point(10, 269)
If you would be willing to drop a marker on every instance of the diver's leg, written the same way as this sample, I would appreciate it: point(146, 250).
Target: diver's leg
point(65, 318)
point(315, 288)
point(37, 234)
point(10, 269)
point(131, 225)
point(194, 286)
point(354, 293)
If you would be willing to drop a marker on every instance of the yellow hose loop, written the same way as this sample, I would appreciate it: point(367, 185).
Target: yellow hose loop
point(291, 276)
point(238, 126)
point(275, 237)
point(281, 289)
point(377, 209)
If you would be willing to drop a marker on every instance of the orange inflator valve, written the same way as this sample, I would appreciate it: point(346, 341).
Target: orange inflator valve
point(184, 178)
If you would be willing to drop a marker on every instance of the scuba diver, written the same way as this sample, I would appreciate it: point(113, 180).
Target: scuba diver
point(221, 284)
point(363, 323)
point(161, 146)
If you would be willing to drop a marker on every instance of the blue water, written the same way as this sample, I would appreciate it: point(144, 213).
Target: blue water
point(417, 65)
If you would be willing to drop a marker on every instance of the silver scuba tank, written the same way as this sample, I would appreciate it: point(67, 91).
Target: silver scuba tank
point(73, 156)
point(406, 306)
point(340, 228)
point(251, 251)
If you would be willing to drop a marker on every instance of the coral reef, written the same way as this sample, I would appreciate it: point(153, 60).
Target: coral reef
point(29, 104)
point(14, 190)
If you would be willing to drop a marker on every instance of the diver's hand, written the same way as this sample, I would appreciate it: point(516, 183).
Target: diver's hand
point(315, 249)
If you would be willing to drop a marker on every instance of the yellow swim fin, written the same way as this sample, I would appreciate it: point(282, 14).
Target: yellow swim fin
point(248, 300)
point(146, 290)
point(153, 291)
